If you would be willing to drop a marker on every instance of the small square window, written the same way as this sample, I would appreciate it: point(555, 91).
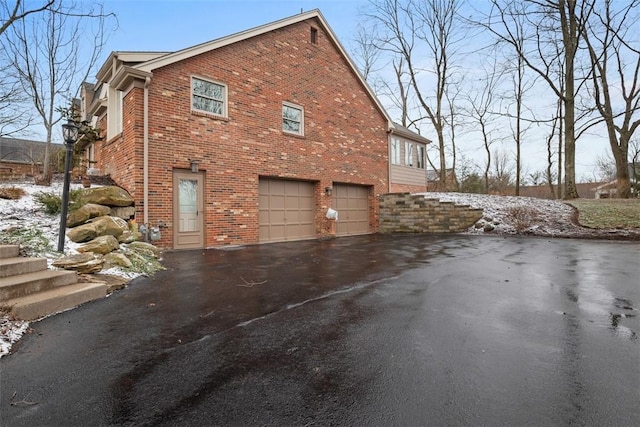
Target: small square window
point(292, 119)
point(208, 96)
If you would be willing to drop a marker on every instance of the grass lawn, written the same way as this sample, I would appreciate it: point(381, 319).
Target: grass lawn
point(608, 213)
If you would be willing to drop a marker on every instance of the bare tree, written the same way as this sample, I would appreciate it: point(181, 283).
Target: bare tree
point(424, 35)
point(366, 53)
point(605, 167)
point(502, 177)
point(615, 62)
point(45, 50)
point(520, 85)
point(10, 15)
point(481, 104)
point(402, 97)
point(451, 119)
point(549, 22)
point(634, 155)
point(548, 173)
point(15, 116)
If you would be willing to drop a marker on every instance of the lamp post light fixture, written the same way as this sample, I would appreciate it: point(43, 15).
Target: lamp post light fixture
point(70, 135)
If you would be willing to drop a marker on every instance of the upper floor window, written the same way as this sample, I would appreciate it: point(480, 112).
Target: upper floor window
point(421, 157)
point(395, 151)
point(114, 112)
point(408, 154)
point(208, 97)
point(292, 119)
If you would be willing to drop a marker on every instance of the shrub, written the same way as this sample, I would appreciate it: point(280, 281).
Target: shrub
point(32, 241)
point(523, 217)
point(52, 202)
point(11, 193)
point(49, 201)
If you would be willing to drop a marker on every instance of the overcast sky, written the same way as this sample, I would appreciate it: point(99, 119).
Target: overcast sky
point(170, 25)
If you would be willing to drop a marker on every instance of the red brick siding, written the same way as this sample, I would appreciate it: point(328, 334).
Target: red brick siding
point(345, 134)
point(405, 188)
point(122, 155)
point(11, 170)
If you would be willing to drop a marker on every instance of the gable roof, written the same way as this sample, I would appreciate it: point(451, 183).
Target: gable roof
point(22, 150)
point(180, 55)
point(123, 66)
point(408, 133)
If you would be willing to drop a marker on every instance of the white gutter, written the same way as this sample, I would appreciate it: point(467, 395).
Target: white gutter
point(145, 158)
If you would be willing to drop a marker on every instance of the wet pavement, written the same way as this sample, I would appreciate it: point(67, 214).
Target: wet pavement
point(369, 330)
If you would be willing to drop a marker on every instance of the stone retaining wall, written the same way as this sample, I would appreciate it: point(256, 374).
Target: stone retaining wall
point(411, 213)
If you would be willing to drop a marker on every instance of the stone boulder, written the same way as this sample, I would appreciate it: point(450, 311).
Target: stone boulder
point(110, 225)
point(100, 226)
point(85, 213)
point(114, 283)
point(144, 248)
point(85, 263)
point(82, 233)
point(125, 212)
point(100, 245)
point(129, 237)
point(116, 259)
point(108, 196)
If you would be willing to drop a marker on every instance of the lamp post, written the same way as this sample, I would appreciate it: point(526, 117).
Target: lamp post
point(70, 135)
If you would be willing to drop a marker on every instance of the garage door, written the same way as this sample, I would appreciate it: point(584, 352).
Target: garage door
point(287, 210)
point(352, 204)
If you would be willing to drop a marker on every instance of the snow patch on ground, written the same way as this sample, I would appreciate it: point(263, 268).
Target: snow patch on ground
point(10, 332)
point(25, 213)
point(516, 215)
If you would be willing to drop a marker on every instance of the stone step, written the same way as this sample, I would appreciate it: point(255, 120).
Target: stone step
point(25, 284)
point(19, 265)
point(55, 300)
point(9, 251)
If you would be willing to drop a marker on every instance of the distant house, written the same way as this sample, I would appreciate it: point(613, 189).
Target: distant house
point(433, 180)
point(249, 138)
point(586, 190)
point(610, 189)
point(21, 157)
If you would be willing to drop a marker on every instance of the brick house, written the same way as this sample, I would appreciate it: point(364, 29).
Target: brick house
point(249, 138)
point(20, 158)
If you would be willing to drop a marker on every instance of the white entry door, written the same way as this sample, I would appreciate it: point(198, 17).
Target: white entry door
point(188, 210)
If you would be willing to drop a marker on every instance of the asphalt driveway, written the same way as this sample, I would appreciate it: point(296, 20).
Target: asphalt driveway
point(370, 330)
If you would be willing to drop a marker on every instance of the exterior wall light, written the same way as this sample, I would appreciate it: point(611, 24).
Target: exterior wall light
point(194, 166)
point(70, 135)
point(327, 191)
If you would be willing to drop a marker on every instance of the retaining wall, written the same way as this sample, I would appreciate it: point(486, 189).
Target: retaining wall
point(411, 213)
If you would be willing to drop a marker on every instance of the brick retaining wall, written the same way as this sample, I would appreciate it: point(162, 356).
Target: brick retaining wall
point(411, 213)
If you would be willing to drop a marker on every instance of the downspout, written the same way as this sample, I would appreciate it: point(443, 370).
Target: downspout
point(145, 155)
point(389, 162)
point(389, 136)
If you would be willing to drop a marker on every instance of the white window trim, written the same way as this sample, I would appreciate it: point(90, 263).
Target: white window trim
point(396, 155)
point(408, 154)
point(297, 107)
point(421, 151)
point(225, 99)
point(114, 112)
